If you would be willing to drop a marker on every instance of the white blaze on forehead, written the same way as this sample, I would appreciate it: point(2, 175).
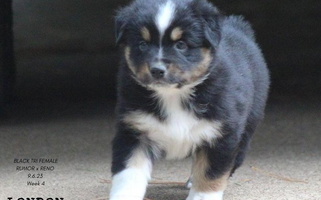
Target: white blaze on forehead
point(165, 16)
point(160, 53)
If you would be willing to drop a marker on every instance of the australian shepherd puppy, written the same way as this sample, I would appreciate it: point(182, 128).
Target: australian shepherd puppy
point(192, 82)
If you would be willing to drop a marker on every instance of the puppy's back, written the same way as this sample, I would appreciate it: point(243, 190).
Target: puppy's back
point(238, 41)
point(238, 46)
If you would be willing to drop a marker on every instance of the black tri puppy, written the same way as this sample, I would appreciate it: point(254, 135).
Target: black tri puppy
point(192, 82)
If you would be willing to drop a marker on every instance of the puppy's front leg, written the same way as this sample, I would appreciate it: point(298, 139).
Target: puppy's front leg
point(131, 169)
point(211, 170)
point(204, 187)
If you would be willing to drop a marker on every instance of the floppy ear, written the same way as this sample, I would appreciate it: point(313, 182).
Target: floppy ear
point(120, 28)
point(211, 19)
point(212, 30)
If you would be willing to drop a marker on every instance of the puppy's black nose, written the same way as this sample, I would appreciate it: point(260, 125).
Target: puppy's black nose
point(157, 73)
point(158, 70)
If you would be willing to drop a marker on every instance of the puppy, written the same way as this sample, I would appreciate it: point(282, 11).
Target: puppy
point(192, 82)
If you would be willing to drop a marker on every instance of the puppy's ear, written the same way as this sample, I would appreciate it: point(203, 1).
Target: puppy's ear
point(212, 30)
point(120, 27)
point(211, 18)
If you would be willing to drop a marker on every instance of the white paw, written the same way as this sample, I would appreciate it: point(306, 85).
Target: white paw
point(189, 184)
point(130, 184)
point(193, 195)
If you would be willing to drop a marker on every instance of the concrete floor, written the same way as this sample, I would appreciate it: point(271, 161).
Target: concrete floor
point(65, 114)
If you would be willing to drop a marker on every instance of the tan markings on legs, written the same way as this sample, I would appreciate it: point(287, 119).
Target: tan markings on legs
point(201, 183)
point(145, 34)
point(176, 34)
point(131, 119)
point(131, 182)
point(139, 159)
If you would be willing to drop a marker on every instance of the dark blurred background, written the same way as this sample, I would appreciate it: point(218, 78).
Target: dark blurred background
point(66, 59)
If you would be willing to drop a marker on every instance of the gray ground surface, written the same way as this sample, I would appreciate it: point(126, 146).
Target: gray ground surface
point(284, 162)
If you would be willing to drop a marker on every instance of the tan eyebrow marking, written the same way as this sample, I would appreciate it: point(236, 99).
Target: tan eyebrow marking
point(176, 34)
point(145, 34)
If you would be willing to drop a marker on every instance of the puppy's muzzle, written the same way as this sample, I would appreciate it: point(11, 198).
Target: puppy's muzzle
point(158, 70)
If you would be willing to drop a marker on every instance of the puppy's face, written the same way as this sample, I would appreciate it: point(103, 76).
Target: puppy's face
point(168, 42)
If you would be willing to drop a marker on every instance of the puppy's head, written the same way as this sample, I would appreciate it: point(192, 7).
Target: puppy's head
point(168, 42)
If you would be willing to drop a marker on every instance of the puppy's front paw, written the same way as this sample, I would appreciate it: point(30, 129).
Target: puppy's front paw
point(188, 184)
point(194, 195)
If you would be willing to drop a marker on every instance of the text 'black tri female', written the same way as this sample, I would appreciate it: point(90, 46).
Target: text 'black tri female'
point(192, 82)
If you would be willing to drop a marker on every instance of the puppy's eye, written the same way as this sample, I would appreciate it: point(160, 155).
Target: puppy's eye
point(143, 46)
point(181, 45)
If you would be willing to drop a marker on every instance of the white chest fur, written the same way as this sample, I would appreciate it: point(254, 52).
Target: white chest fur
point(180, 132)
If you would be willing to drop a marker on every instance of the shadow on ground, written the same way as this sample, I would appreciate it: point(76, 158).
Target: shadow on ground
point(167, 192)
